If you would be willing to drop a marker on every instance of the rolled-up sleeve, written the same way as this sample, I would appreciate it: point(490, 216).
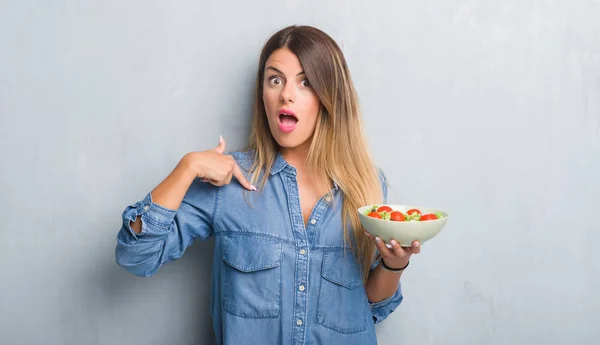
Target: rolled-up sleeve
point(165, 233)
point(382, 309)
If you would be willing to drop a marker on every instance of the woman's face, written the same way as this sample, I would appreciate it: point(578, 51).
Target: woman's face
point(291, 105)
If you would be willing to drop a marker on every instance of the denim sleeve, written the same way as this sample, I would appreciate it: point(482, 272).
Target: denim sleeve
point(382, 309)
point(165, 233)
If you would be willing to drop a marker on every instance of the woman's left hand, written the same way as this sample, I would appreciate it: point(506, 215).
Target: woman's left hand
point(397, 256)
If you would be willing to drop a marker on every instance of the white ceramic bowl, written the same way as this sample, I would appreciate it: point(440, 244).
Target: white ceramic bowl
point(404, 232)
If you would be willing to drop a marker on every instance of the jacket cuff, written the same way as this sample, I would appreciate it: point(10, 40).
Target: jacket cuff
point(155, 218)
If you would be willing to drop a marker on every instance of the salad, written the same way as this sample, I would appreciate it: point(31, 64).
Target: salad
point(414, 214)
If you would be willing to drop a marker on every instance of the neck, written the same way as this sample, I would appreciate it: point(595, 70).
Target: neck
point(296, 156)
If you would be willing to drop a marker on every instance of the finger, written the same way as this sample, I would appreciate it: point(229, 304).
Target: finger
point(370, 236)
point(398, 250)
point(228, 178)
point(213, 182)
point(416, 247)
point(241, 178)
point(221, 147)
point(217, 183)
point(383, 249)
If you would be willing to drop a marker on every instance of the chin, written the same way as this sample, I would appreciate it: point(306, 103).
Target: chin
point(287, 143)
point(291, 142)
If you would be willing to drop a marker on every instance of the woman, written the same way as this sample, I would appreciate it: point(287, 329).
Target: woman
point(292, 264)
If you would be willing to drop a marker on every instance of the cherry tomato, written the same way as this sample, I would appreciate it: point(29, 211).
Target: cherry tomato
point(397, 216)
point(384, 208)
point(413, 210)
point(429, 216)
point(374, 215)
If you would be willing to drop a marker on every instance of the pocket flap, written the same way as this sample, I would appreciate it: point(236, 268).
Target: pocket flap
point(248, 253)
point(341, 268)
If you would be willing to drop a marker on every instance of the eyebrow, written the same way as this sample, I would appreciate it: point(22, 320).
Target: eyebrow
point(278, 71)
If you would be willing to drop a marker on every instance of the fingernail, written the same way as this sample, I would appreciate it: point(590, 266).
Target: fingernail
point(252, 187)
point(417, 244)
point(220, 138)
point(377, 239)
point(393, 242)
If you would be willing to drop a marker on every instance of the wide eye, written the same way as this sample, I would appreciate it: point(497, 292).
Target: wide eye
point(275, 81)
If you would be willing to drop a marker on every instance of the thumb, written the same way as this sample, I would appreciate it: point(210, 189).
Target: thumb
point(221, 147)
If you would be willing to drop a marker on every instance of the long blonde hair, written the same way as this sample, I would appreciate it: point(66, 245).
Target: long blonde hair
point(338, 151)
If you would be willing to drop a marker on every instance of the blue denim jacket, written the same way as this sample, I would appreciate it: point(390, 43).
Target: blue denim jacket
point(274, 281)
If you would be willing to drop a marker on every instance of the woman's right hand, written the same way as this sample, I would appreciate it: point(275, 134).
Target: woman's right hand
point(214, 167)
point(211, 166)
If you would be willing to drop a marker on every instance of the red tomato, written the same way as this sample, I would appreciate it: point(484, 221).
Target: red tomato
point(429, 216)
point(413, 210)
point(397, 216)
point(384, 208)
point(374, 215)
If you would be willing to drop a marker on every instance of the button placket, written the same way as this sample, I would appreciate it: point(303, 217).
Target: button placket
point(301, 239)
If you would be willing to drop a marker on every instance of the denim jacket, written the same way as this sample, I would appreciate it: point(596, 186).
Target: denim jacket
point(274, 280)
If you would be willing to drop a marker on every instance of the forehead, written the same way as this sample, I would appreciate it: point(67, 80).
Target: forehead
point(284, 60)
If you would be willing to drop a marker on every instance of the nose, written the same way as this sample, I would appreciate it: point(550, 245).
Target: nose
point(288, 93)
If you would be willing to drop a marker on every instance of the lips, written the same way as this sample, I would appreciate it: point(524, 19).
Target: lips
point(287, 120)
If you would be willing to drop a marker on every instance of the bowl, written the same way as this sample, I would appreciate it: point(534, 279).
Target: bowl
point(404, 232)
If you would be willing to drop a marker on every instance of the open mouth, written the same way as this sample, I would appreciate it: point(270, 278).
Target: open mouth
point(287, 120)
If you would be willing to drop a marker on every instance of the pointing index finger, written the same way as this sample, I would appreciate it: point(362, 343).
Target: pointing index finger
point(242, 179)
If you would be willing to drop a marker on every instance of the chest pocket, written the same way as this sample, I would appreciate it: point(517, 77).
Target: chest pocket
point(343, 304)
point(252, 276)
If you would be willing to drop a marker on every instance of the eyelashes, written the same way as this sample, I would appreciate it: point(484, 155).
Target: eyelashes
point(277, 81)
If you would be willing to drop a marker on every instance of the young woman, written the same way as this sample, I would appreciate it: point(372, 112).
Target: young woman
point(292, 264)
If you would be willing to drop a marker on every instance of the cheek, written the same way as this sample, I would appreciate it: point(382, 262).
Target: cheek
point(315, 106)
point(269, 98)
point(265, 97)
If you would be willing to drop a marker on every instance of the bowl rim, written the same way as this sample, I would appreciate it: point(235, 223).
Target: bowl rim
point(404, 205)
